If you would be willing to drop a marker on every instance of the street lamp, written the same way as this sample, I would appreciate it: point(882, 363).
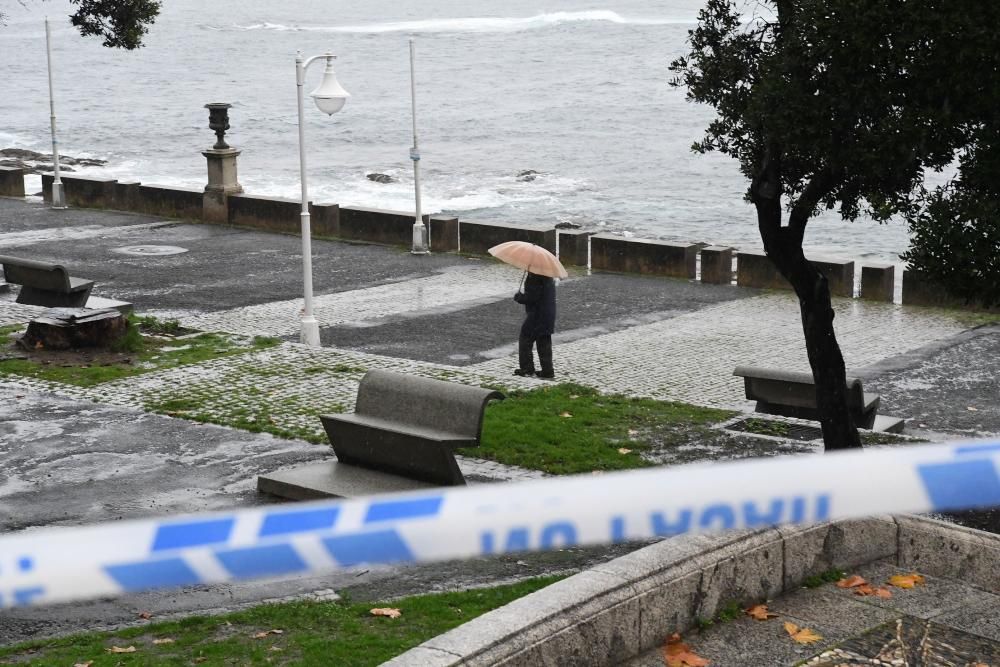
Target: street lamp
point(330, 98)
point(58, 195)
point(420, 236)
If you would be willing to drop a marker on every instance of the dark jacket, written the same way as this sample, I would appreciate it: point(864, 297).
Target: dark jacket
point(539, 299)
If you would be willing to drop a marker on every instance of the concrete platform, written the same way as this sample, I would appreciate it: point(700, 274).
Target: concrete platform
point(329, 479)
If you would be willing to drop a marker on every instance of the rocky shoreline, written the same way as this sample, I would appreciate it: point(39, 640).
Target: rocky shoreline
point(34, 162)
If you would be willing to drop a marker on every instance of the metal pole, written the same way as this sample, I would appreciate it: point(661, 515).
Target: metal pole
point(310, 327)
point(421, 239)
point(58, 196)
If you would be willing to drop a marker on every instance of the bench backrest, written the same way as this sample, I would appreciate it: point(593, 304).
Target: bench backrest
point(423, 402)
point(791, 388)
point(41, 275)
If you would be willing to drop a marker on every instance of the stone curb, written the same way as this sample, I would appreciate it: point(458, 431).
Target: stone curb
point(615, 611)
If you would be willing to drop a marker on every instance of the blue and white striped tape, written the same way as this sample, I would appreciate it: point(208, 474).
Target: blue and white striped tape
point(64, 564)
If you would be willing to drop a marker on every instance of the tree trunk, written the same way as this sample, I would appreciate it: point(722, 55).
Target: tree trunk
point(783, 246)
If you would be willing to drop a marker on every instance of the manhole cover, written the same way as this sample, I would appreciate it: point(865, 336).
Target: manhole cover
point(158, 250)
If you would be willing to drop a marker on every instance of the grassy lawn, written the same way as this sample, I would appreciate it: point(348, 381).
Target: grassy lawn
point(136, 355)
point(568, 428)
point(338, 633)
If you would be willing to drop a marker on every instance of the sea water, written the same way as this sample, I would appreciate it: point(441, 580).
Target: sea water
point(574, 91)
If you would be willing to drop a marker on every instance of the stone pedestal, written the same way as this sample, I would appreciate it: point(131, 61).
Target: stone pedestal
point(222, 182)
point(717, 265)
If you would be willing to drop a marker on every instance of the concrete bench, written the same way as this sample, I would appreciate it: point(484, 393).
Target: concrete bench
point(791, 394)
point(44, 284)
point(402, 436)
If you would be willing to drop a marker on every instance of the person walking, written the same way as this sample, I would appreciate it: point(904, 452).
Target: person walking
point(539, 299)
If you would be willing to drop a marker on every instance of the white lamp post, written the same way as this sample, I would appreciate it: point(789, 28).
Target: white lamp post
point(330, 98)
point(420, 244)
point(58, 196)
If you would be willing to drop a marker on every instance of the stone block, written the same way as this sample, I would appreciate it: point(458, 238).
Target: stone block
point(377, 226)
point(652, 258)
point(82, 192)
point(919, 290)
point(947, 550)
point(270, 213)
point(478, 237)
point(747, 571)
point(422, 656)
point(443, 233)
point(839, 275)
point(329, 479)
point(574, 246)
point(845, 544)
point(169, 201)
point(755, 269)
point(717, 265)
point(325, 219)
point(878, 282)
point(11, 182)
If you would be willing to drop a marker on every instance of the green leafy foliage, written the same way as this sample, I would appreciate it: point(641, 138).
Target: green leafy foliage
point(828, 577)
point(121, 23)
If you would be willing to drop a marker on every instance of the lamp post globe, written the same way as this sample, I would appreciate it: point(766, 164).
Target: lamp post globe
point(329, 95)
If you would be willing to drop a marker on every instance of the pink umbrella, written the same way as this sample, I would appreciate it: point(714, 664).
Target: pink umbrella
point(530, 257)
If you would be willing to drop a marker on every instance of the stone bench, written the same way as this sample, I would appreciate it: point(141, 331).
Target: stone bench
point(402, 436)
point(44, 284)
point(792, 394)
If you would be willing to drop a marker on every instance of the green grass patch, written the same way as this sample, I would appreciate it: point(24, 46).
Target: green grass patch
point(766, 427)
point(134, 354)
point(339, 633)
point(828, 577)
point(568, 428)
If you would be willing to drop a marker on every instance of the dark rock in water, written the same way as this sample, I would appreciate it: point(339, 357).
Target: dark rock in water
point(24, 154)
point(527, 175)
point(71, 328)
point(567, 225)
point(36, 163)
point(380, 178)
point(47, 168)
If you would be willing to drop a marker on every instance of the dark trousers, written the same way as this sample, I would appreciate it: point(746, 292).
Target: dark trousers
point(526, 359)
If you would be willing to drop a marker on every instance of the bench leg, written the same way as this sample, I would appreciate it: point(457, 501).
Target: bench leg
point(33, 296)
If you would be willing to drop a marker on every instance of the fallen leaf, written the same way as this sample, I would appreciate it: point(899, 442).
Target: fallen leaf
point(906, 580)
point(386, 611)
point(633, 432)
point(882, 592)
point(277, 632)
point(145, 615)
point(623, 450)
point(260, 635)
point(165, 640)
point(565, 414)
point(760, 612)
point(851, 582)
point(678, 654)
point(83, 664)
point(574, 396)
point(119, 649)
point(801, 635)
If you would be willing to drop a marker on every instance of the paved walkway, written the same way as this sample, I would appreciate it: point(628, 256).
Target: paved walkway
point(440, 316)
point(941, 623)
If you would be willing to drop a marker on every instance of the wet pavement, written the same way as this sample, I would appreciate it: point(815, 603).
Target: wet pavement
point(72, 455)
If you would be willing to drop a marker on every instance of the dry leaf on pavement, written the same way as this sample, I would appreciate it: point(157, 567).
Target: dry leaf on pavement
point(119, 649)
point(801, 635)
point(386, 611)
point(760, 612)
point(851, 582)
point(906, 580)
point(145, 615)
point(879, 592)
point(678, 654)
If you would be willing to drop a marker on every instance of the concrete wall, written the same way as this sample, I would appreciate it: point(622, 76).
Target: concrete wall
point(479, 237)
point(653, 258)
point(168, 202)
point(443, 233)
point(878, 282)
point(81, 191)
point(574, 247)
point(11, 182)
point(755, 269)
point(717, 265)
point(377, 226)
point(270, 213)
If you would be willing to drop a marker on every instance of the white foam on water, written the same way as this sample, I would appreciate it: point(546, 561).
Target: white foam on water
point(473, 24)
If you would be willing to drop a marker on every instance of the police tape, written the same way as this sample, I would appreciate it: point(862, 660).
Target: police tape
point(65, 564)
